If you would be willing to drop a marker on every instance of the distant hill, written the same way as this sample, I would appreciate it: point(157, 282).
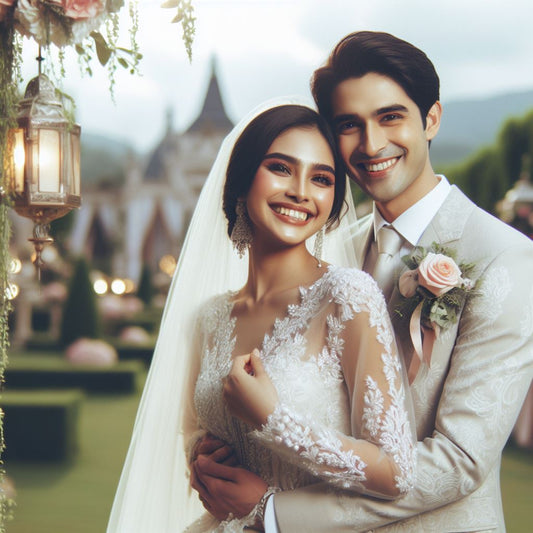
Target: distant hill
point(103, 160)
point(468, 125)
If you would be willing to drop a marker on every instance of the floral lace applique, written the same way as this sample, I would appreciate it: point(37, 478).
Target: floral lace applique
point(294, 453)
point(318, 448)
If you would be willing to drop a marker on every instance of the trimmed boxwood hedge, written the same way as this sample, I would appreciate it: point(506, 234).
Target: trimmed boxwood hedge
point(41, 425)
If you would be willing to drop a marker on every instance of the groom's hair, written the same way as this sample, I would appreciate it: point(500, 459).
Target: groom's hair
point(365, 51)
point(254, 142)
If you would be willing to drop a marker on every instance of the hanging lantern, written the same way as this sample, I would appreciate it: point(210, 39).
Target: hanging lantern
point(516, 208)
point(44, 171)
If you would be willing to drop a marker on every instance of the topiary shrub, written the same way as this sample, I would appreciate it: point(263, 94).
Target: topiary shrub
point(145, 291)
point(80, 313)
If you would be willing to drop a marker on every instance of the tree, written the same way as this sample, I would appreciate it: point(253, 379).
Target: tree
point(145, 290)
point(80, 313)
point(491, 172)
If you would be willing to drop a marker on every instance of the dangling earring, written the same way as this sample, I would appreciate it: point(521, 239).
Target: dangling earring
point(317, 249)
point(241, 234)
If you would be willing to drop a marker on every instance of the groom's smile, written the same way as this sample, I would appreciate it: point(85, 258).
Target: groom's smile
point(375, 168)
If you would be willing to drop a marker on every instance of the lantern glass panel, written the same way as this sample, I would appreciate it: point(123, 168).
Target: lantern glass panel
point(48, 171)
point(18, 152)
point(75, 162)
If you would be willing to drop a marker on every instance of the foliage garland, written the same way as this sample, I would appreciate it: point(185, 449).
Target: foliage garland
point(74, 23)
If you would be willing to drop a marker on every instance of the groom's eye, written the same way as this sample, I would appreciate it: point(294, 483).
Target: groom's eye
point(346, 127)
point(390, 117)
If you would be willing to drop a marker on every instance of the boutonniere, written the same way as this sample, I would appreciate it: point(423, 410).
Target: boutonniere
point(434, 291)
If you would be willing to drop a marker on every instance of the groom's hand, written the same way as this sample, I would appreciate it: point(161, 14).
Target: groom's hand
point(226, 489)
point(217, 450)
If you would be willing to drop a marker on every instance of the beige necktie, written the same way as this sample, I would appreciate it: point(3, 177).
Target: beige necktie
point(389, 242)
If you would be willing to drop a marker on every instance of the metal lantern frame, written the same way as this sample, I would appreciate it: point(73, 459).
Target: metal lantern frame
point(44, 177)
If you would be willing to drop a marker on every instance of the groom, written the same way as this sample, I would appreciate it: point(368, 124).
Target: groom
point(381, 95)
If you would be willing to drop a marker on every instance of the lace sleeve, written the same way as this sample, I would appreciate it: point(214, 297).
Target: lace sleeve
point(379, 457)
point(192, 432)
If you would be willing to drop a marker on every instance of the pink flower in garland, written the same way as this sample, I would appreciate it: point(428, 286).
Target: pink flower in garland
point(83, 9)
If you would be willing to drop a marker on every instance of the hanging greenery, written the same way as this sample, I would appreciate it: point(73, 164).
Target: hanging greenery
point(91, 27)
point(185, 15)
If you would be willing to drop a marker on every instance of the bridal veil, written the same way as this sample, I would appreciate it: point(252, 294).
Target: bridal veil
point(153, 494)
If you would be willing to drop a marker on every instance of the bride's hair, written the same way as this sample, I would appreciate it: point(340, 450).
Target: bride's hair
point(253, 144)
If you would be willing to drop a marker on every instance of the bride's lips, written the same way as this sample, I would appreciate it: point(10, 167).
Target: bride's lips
point(378, 168)
point(291, 213)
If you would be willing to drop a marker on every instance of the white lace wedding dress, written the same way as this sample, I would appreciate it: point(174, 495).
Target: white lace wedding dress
point(333, 361)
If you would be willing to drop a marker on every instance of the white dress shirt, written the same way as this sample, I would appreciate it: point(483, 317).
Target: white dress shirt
point(411, 224)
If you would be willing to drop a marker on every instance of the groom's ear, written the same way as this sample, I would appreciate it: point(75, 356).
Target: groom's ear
point(433, 120)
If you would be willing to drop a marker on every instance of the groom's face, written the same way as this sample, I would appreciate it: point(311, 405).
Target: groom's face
point(383, 141)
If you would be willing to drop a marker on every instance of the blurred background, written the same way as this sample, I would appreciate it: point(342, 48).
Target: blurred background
point(82, 338)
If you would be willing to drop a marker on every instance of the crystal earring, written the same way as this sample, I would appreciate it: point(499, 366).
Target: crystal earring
point(317, 249)
point(241, 234)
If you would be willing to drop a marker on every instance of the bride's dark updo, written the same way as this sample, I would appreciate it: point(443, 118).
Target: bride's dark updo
point(253, 144)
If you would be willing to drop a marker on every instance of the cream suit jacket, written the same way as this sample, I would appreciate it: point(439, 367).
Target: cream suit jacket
point(466, 403)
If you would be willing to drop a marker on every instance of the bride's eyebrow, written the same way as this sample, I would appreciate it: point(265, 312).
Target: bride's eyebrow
point(295, 161)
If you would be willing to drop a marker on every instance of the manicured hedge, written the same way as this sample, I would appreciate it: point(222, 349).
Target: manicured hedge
point(128, 352)
point(41, 425)
point(44, 372)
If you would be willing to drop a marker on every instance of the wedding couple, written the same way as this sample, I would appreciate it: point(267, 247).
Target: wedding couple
point(305, 398)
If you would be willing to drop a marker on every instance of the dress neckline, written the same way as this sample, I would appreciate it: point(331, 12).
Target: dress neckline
point(292, 313)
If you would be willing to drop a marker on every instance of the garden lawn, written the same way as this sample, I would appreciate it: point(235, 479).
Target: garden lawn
point(76, 497)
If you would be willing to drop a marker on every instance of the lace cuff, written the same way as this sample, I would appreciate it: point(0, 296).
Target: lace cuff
point(317, 449)
point(257, 514)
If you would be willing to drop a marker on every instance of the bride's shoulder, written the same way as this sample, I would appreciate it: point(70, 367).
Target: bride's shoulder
point(213, 309)
point(348, 285)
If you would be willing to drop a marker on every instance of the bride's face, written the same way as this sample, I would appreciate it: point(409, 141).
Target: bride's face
point(293, 190)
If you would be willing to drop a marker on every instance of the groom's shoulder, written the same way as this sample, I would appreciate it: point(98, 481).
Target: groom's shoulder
point(484, 230)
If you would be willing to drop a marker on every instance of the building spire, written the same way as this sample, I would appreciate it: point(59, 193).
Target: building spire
point(213, 114)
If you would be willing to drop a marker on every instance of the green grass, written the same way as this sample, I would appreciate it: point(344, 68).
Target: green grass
point(517, 489)
point(77, 497)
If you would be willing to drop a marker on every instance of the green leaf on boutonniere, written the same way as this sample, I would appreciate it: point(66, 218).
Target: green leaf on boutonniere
point(413, 259)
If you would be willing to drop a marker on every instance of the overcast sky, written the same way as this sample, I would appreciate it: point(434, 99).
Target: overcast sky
point(267, 48)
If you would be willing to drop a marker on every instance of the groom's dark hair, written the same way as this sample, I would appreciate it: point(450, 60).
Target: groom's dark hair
point(253, 144)
point(366, 51)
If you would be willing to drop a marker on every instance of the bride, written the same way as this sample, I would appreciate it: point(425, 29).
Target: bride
point(319, 393)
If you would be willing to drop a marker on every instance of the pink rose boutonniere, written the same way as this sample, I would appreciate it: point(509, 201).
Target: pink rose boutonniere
point(434, 291)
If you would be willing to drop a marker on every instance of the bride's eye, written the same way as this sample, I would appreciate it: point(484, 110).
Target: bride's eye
point(323, 180)
point(280, 168)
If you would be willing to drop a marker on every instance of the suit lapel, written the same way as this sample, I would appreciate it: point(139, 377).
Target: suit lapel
point(449, 222)
point(446, 228)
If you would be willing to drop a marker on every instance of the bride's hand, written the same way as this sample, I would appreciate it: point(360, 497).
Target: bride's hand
point(248, 391)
